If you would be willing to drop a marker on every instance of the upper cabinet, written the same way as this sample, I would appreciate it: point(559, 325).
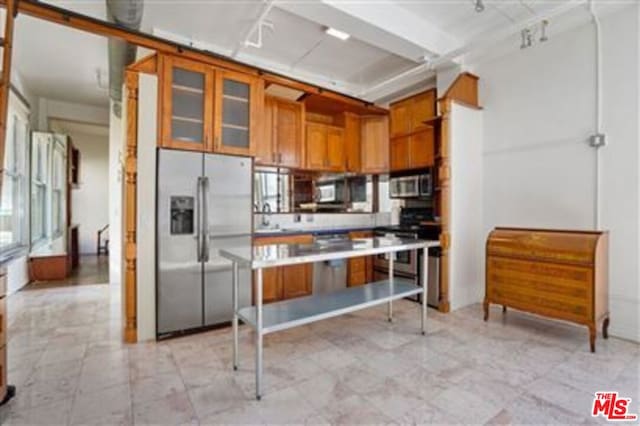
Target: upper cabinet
point(412, 144)
point(236, 119)
point(187, 110)
point(325, 147)
point(375, 144)
point(353, 142)
point(283, 134)
point(209, 110)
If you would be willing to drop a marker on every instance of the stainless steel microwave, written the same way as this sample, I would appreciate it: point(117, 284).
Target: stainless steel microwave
point(330, 192)
point(415, 186)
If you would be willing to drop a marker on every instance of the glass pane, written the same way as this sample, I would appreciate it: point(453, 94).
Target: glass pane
point(235, 112)
point(188, 104)
point(235, 137)
point(236, 89)
point(186, 131)
point(7, 214)
point(192, 79)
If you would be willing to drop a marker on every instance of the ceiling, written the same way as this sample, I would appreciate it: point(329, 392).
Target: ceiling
point(391, 47)
point(59, 63)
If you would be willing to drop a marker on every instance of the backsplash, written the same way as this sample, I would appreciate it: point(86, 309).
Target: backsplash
point(315, 220)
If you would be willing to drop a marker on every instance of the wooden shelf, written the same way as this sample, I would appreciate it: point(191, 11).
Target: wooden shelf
point(433, 121)
point(187, 89)
point(187, 119)
point(235, 98)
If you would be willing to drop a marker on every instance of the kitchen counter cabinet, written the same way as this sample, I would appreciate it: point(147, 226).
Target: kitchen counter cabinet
point(360, 269)
point(413, 151)
point(286, 282)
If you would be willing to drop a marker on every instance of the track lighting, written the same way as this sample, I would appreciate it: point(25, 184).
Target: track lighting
point(479, 5)
point(527, 35)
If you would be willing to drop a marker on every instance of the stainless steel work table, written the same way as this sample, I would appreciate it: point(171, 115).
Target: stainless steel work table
point(292, 313)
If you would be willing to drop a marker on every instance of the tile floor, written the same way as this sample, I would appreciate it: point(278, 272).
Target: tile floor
point(66, 357)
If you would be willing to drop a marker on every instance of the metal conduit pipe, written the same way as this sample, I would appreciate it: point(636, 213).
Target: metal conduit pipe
point(598, 139)
point(128, 14)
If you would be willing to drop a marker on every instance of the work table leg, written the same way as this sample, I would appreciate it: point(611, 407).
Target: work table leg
point(234, 276)
point(258, 334)
point(425, 286)
point(390, 304)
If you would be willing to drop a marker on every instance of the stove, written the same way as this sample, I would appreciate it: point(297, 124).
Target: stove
point(408, 264)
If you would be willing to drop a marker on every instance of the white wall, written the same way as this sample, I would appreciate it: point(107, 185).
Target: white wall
point(146, 220)
point(116, 149)
point(539, 171)
point(90, 200)
point(466, 282)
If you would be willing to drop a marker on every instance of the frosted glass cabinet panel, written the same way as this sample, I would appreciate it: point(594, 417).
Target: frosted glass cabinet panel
point(187, 111)
point(236, 102)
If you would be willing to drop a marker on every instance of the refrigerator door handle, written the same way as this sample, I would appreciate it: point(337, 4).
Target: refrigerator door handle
point(199, 233)
point(205, 219)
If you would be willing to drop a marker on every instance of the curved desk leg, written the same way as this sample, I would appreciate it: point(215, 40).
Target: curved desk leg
point(234, 291)
point(258, 334)
point(425, 286)
point(390, 304)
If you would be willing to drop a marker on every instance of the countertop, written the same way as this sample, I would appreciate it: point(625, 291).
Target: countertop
point(314, 230)
point(289, 254)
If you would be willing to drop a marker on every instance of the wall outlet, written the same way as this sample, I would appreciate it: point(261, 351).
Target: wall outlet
point(309, 218)
point(297, 218)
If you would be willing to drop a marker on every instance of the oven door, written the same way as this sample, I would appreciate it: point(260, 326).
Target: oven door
point(405, 262)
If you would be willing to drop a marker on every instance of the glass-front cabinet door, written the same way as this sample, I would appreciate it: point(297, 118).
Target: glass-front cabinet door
point(236, 113)
point(187, 105)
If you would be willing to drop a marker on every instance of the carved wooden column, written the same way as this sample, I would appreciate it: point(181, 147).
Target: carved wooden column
point(444, 182)
point(130, 208)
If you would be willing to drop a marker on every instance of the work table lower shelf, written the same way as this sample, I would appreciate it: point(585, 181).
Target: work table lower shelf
point(295, 312)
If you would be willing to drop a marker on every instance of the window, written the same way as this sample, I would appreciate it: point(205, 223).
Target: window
point(58, 188)
point(13, 200)
point(40, 147)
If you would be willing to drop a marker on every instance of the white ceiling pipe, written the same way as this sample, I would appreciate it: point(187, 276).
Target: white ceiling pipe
point(257, 24)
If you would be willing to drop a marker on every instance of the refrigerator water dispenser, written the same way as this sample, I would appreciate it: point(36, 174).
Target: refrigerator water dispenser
point(182, 215)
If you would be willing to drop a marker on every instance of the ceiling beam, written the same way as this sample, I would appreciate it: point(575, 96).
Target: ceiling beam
point(387, 26)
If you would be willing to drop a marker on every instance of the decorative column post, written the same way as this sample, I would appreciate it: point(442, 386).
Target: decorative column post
point(444, 182)
point(130, 208)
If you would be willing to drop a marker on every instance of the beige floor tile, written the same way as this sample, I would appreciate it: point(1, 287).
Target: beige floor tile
point(111, 404)
point(156, 387)
point(220, 395)
point(173, 409)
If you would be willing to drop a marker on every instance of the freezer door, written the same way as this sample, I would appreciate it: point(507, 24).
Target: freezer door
point(228, 222)
point(179, 279)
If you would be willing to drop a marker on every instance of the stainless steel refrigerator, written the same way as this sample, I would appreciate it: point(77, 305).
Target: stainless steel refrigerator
point(204, 203)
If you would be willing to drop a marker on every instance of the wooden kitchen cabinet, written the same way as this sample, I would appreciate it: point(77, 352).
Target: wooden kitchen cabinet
point(399, 149)
point(283, 134)
point(352, 142)
point(335, 149)
point(401, 118)
point(409, 115)
point(325, 147)
point(360, 269)
point(187, 107)
point(285, 282)
point(375, 144)
point(413, 151)
point(236, 113)
point(207, 109)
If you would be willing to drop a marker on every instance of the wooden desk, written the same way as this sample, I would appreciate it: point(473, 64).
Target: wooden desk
point(557, 274)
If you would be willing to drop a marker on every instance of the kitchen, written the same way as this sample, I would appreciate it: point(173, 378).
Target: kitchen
point(294, 251)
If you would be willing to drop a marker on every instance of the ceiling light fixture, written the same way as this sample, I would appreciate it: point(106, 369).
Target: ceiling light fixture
point(479, 6)
point(337, 33)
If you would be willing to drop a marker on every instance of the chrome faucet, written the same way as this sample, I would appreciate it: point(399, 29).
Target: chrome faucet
point(266, 214)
